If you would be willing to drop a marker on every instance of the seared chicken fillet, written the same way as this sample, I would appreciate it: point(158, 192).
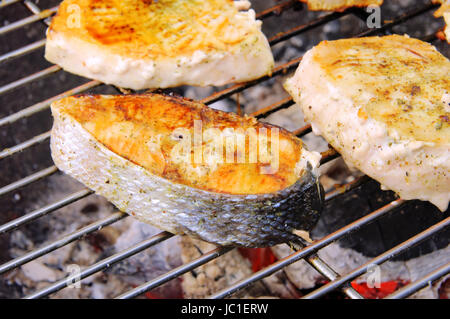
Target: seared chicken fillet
point(156, 157)
point(384, 104)
point(339, 5)
point(142, 44)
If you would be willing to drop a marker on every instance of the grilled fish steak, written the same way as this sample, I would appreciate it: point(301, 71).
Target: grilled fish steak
point(128, 149)
point(339, 5)
point(141, 44)
point(384, 104)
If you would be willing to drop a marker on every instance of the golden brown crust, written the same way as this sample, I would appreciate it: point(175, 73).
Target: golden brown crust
point(406, 78)
point(146, 29)
point(339, 5)
point(143, 129)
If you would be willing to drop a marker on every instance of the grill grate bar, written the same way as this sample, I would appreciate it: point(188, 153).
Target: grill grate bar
point(277, 9)
point(345, 188)
point(4, 3)
point(303, 130)
point(101, 265)
point(20, 147)
point(402, 18)
point(44, 210)
point(21, 23)
point(283, 36)
point(266, 111)
point(282, 69)
point(219, 251)
point(324, 269)
point(35, 9)
point(38, 107)
point(360, 13)
point(29, 78)
point(110, 260)
point(19, 261)
point(23, 50)
point(28, 180)
point(326, 156)
point(308, 250)
point(380, 259)
point(330, 274)
point(411, 288)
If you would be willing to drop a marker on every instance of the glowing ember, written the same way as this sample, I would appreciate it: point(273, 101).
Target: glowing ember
point(259, 257)
point(386, 288)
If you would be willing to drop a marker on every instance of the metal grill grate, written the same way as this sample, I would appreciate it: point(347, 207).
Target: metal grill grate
point(308, 253)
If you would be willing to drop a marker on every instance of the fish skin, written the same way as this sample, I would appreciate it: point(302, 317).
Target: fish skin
point(256, 220)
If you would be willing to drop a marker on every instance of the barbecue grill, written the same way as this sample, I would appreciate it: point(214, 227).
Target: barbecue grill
point(307, 252)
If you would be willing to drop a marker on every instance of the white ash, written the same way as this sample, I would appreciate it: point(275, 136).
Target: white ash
point(224, 271)
point(53, 266)
point(150, 263)
point(213, 276)
point(38, 271)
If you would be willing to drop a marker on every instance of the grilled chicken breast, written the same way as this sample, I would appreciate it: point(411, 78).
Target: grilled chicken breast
point(384, 104)
point(444, 11)
point(169, 162)
point(339, 5)
point(141, 44)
